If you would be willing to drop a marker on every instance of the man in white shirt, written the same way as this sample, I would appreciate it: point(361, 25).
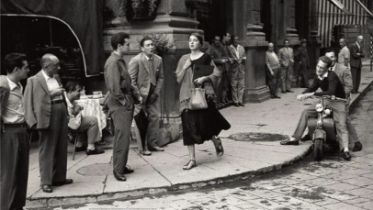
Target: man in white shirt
point(238, 72)
point(45, 111)
point(344, 53)
point(273, 70)
point(14, 142)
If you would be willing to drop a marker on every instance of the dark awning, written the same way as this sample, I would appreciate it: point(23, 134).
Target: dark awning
point(83, 17)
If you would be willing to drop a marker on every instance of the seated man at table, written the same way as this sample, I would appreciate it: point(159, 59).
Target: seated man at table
point(81, 123)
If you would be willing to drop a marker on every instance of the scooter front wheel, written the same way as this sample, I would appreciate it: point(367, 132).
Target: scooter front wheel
point(318, 150)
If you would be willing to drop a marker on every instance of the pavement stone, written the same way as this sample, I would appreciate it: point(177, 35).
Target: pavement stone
point(162, 172)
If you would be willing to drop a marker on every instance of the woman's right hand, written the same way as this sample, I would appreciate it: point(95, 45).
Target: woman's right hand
point(187, 63)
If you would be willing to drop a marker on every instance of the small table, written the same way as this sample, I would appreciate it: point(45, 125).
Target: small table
point(92, 107)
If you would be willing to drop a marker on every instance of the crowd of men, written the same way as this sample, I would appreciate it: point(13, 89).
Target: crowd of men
point(49, 107)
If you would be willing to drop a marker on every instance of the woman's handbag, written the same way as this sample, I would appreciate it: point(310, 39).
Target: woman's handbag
point(198, 99)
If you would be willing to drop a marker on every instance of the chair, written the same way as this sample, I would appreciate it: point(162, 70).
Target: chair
point(74, 137)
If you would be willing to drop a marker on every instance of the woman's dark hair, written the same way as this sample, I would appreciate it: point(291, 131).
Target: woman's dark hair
point(118, 38)
point(13, 60)
point(199, 37)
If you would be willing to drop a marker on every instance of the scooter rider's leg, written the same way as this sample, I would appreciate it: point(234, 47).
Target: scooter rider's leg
point(301, 127)
point(340, 120)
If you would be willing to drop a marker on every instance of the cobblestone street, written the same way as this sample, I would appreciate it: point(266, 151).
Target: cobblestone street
point(330, 184)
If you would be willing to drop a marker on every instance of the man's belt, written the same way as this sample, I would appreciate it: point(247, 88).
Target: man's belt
point(58, 101)
point(14, 125)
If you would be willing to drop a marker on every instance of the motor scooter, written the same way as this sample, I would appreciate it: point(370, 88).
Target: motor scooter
point(323, 128)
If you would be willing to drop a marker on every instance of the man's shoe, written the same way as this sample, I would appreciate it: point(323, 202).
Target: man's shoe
point(241, 104)
point(146, 152)
point(306, 137)
point(357, 147)
point(288, 142)
point(79, 149)
point(290, 91)
point(46, 188)
point(346, 156)
point(94, 152)
point(119, 177)
point(67, 181)
point(128, 170)
point(157, 148)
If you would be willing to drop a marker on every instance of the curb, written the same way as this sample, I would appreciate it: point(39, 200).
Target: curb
point(47, 203)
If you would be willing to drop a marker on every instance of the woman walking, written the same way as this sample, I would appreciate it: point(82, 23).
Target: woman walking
point(203, 124)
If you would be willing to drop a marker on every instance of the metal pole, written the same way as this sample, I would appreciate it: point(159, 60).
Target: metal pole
point(371, 52)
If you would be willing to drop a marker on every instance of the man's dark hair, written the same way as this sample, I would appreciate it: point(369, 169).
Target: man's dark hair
point(326, 60)
point(13, 60)
point(118, 38)
point(71, 86)
point(328, 50)
point(145, 38)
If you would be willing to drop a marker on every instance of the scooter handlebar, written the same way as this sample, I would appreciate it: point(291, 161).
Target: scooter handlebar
point(330, 98)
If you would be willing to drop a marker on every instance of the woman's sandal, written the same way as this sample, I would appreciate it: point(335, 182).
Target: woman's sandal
point(191, 164)
point(218, 146)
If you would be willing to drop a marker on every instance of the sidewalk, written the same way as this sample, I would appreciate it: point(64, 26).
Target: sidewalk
point(162, 172)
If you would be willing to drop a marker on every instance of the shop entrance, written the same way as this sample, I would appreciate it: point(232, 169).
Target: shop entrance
point(37, 35)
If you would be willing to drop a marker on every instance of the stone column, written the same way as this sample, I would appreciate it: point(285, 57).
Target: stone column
point(174, 23)
point(291, 31)
point(255, 46)
point(313, 39)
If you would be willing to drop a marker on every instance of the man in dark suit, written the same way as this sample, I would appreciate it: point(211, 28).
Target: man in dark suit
point(330, 85)
point(146, 70)
point(45, 111)
point(356, 50)
point(120, 102)
point(14, 142)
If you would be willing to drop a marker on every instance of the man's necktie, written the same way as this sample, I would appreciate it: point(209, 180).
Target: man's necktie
point(152, 71)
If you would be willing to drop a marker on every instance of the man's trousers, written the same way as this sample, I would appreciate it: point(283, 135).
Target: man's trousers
point(356, 77)
point(122, 119)
point(14, 167)
point(53, 147)
point(238, 83)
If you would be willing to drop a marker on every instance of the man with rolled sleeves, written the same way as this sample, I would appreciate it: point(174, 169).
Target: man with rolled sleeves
point(14, 136)
point(46, 112)
point(286, 57)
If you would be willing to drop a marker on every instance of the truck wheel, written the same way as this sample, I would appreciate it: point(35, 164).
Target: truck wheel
point(318, 152)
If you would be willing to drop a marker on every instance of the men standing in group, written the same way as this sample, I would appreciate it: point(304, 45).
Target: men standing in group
point(220, 58)
point(45, 111)
point(344, 53)
point(286, 57)
point(120, 101)
point(356, 50)
point(14, 138)
point(301, 65)
point(238, 72)
point(146, 70)
point(273, 70)
point(344, 76)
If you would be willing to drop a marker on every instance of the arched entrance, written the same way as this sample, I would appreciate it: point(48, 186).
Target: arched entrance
point(36, 35)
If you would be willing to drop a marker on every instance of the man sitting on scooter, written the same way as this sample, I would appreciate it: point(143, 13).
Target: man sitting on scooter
point(344, 75)
point(330, 85)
